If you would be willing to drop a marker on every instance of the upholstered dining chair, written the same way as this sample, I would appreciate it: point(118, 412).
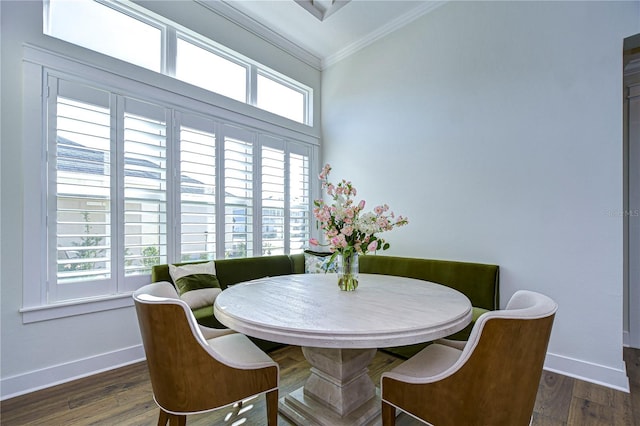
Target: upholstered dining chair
point(195, 369)
point(492, 380)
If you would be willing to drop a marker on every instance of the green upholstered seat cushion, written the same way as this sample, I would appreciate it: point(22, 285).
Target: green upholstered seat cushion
point(465, 332)
point(406, 352)
point(204, 316)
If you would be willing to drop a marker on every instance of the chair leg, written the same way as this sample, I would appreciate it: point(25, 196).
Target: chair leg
point(272, 407)
point(175, 420)
point(388, 414)
point(163, 418)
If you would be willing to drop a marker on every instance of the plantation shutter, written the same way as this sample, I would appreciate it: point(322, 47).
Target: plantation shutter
point(145, 187)
point(80, 191)
point(273, 195)
point(238, 197)
point(197, 188)
point(132, 183)
point(299, 198)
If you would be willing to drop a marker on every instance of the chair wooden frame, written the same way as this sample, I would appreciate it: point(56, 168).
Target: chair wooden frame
point(190, 374)
point(493, 380)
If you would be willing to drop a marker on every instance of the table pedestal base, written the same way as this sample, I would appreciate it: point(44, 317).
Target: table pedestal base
point(305, 411)
point(338, 391)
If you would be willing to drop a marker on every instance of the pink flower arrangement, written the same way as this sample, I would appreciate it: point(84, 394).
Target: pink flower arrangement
point(345, 226)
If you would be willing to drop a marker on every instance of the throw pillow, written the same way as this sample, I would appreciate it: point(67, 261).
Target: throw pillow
point(197, 283)
point(316, 262)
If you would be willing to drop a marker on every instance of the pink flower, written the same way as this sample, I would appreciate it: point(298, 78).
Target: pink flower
point(347, 230)
point(325, 171)
point(339, 241)
point(345, 224)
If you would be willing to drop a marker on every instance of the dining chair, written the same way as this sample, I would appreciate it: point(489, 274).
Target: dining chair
point(491, 380)
point(195, 369)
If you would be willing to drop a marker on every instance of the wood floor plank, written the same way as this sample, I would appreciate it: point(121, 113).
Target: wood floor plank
point(588, 413)
point(542, 420)
point(554, 398)
point(634, 399)
point(594, 393)
point(123, 397)
point(631, 358)
point(622, 410)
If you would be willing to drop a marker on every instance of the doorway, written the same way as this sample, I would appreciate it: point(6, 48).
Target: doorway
point(631, 208)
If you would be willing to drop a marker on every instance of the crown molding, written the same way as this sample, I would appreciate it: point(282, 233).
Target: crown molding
point(383, 31)
point(227, 11)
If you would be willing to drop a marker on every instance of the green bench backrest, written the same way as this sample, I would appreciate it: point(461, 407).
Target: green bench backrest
point(233, 271)
point(479, 282)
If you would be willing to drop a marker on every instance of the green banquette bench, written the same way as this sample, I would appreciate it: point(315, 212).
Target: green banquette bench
point(479, 282)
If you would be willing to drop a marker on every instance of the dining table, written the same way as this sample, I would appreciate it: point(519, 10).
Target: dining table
point(340, 332)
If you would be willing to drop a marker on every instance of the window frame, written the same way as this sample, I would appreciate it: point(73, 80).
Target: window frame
point(172, 31)
point(286, 82)
point(39, 66)
point(135, 12)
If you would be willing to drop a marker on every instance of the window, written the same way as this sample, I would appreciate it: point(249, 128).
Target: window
point(127, 31)
point(134, 181)
point(206, 69)
point(280, 98)
point(101, 28)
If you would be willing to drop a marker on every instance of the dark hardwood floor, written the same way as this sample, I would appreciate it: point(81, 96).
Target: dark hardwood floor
point(123, 397)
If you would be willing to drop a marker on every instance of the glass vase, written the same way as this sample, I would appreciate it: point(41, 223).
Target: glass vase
point(348, 269)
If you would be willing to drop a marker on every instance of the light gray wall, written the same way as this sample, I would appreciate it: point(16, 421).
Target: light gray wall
point(496, 127)
point(42, 353)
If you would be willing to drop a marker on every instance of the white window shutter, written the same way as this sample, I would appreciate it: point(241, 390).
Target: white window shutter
point(145, 187)
point(197, 188)
point(238, 196)
point(273, 198)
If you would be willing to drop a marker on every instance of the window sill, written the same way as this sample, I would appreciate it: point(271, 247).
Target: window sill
point(75, 307)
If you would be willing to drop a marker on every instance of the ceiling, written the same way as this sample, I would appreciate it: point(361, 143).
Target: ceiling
point(321, 32)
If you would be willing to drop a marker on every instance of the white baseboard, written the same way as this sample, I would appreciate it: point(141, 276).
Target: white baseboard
point(39, 379)
point(589, 372)
point(35, 380)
